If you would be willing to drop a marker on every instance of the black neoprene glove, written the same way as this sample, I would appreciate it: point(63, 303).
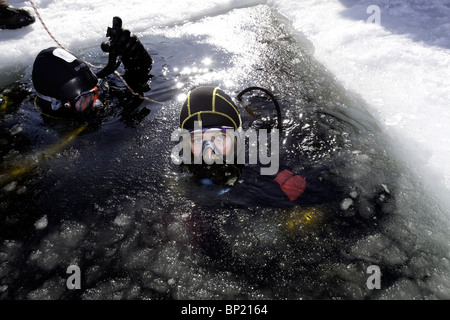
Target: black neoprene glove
point(135, 59)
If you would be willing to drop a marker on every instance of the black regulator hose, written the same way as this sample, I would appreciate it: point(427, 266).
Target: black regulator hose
point(272, 97)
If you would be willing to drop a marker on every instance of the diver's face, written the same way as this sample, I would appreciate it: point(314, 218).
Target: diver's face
point(213, 143)
point(86, 100)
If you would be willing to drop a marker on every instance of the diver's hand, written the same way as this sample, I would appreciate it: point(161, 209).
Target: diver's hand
point(125, 44)
point(135, 59)
point(113, 33)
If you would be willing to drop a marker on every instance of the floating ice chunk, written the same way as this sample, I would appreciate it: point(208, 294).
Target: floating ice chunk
point(156, 284)
point(178, 232)
point(139, 258)
point(10, 186)
point(47, 256)
point(72, 233)
point(441, 283)
point(185, 215)
point(122, 220)
point(404, 289)
point(114, 289)
point(41, 223)
point(51, 289)
point(346, 203)
point(16, 129)
point(21, 190)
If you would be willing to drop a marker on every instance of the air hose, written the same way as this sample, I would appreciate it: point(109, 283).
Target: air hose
point(272, 97)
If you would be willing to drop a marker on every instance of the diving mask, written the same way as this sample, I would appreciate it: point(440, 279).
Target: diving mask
point(85, 100)
point(212, 145)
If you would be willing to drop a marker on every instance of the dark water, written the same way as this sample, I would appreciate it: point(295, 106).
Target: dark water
point(110, 200)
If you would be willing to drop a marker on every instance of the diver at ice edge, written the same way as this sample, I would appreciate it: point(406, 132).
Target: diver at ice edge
point(207, 117)
point(67, 87)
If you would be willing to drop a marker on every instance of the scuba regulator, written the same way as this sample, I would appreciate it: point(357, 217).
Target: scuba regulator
point(216, 111)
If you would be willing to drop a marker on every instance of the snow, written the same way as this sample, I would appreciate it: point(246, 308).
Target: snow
point(400, 67)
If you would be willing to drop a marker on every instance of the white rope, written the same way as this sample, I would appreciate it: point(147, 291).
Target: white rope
point(43, 24)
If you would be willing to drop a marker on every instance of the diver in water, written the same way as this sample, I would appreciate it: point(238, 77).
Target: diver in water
point(211, 143)
point(308, 197)
point(302, 201)
point(67, 87)
point(208, 115)
point(14, 18)
point(212, 153)
point(212, 129)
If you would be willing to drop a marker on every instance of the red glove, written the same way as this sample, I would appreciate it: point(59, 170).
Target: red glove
point(292, 186)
